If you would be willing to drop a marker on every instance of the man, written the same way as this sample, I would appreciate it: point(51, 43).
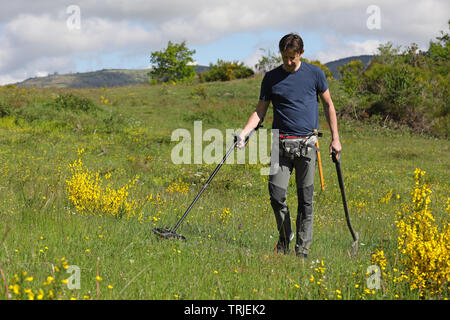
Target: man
point(293, 88)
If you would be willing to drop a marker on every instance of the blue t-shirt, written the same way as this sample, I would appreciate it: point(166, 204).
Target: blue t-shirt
point(294, 98)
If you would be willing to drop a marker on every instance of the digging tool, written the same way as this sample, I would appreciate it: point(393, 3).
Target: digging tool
point(337, 160)
point(167, 233)
point(319, 160)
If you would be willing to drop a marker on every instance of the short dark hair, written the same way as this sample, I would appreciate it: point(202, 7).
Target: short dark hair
point(291, 41)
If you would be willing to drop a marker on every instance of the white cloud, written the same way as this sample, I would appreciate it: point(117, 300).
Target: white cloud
point(253, 59)
point(337, 49)
point(6, 79)
point(34, 45)
point(50, 35)
point(33, 34)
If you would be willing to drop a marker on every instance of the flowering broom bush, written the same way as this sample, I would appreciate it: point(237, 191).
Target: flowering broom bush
point(425, 251)
point(22, 286)
point(178, 187)
point(88, 194)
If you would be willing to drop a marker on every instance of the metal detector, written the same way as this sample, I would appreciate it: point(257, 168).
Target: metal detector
point(166, 233)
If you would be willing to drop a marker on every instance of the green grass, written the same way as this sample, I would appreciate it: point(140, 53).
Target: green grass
point(235, 260)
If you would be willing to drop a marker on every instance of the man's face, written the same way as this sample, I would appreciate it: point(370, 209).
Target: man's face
point(291, 60)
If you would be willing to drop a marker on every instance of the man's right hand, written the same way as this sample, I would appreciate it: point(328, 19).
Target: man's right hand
point(241, 142)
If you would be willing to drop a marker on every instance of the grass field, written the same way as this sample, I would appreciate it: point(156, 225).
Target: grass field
point(126, 184)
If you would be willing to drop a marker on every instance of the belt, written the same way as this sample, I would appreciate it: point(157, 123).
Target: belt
point(292, 137)
point(314, 133)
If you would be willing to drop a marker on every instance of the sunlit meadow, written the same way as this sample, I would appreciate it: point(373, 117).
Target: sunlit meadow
point(84, 187)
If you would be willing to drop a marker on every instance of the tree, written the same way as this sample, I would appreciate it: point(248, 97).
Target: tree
point(172, 64)
point(387, 54)
point(268, 61)
point(439, 52)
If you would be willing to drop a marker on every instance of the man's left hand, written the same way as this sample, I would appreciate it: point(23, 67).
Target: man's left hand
point(335, 146)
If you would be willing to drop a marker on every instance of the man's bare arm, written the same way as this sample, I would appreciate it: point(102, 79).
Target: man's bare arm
point(330, 114)
point(255, 117)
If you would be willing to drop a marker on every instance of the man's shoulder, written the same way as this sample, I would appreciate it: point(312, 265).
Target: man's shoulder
point(274, 75)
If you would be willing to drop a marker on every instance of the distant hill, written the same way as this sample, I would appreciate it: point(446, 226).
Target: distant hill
point(129, 77)
point(94, 79)
point(333, 65)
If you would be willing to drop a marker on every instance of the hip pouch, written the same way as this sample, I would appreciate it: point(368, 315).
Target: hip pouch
point(296, 147)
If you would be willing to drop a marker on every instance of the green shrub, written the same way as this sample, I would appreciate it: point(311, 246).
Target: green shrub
point(407, 87)
point(225, 71)
point(372, 78)
point(5, 109)
point(397, 83)
point(398, 89)
point(199, 91)
point(351, 76)
point(69, 101)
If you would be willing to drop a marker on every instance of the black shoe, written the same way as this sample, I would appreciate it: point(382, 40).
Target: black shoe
point(283, 245)
point(302, 255)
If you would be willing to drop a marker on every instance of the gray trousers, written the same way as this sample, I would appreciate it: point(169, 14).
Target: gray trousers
point(278, 184)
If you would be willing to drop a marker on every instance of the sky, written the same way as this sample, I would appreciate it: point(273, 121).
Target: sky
point(38, 38)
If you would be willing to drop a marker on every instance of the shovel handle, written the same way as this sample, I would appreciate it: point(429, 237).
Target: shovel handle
point(336, 156)
point(337, 160)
